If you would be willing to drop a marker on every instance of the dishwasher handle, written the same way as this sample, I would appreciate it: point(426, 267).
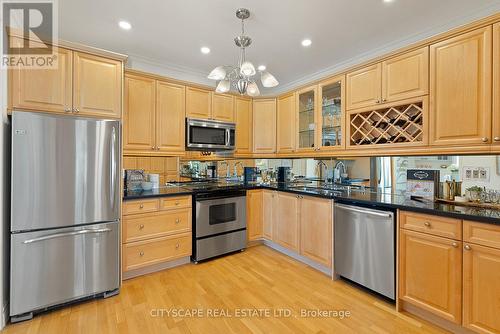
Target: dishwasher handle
point(365, 210)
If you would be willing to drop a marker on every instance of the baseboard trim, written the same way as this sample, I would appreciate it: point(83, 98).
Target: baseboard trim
point(156, 267)
point(298, 257)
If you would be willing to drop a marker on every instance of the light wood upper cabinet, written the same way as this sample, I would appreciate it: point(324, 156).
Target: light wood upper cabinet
point(198, 103)
point(364, 87)
point(306, 111)
point(170, 117)
point(286, 230)
point(460, 89)
point(139, 113)
point(496, 84)
point(223, 107)
point(254, 214)
point(316, 221)
point(269, 211)
point(44, 89)
point(97, 85)
point(264, 126)
point(430, 274)
point(330, 120)
point(243, 112)
point(286, 124)
point(481, 289)
point(405, 76)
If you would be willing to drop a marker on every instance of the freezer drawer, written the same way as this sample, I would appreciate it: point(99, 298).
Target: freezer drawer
point(364, 247)
point(56, 266)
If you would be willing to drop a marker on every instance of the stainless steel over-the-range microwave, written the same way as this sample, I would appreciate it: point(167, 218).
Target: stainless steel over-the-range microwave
point(209, 135)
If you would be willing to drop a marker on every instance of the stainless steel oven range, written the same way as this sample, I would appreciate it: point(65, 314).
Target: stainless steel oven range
point(220, 223)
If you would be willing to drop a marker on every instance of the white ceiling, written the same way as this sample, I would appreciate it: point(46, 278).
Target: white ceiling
point(166, 35)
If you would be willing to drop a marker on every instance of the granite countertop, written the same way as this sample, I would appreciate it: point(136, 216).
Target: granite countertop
point(366, 197)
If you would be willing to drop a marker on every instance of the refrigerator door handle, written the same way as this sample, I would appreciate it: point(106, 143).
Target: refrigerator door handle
point(113, 167)
point(60, 235)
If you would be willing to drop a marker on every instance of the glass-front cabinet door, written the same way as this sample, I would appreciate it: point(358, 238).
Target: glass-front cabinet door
point(331, 114)
point(306, 119)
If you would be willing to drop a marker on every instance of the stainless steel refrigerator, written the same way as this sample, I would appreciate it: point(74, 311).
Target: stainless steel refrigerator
point(65, 210)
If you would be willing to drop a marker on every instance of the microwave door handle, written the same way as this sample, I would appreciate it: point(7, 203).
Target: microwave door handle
point(228, 140)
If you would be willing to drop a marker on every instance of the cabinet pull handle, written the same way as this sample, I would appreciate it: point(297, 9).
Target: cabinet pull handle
point(141, 226)
point(467, 247)
point(454, 244)
point(484, 139)
point(141, 253)
point(496, 139)
point(427, 224)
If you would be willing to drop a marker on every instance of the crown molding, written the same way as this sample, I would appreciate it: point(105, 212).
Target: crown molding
point(482, 12)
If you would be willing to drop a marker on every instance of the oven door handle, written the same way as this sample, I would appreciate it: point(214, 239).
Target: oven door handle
point(219, 197)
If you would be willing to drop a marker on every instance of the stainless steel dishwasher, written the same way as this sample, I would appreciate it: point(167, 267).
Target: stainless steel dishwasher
point(364, 247)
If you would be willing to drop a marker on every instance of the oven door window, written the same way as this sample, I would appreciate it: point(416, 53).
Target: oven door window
point(207, 135)
point(222, 213)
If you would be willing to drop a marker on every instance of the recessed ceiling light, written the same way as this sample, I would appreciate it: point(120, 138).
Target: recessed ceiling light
point(261, 68)
point(205, 50)
point(306, 42)
point(387, 1)
point(125, 25)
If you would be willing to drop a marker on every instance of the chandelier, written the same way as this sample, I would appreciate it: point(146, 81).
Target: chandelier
point(241, 77)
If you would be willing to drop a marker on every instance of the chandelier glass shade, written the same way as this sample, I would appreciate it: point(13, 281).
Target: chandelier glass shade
point(242, 76)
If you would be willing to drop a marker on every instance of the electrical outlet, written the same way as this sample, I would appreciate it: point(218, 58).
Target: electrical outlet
point(480, 174)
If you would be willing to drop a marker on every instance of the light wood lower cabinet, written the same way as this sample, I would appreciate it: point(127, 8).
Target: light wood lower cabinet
point(430, 274)
point(254, 214)
point(316, 224)
point(286, 229)
point(269, 205)
point(456, 280)
point(155, 231)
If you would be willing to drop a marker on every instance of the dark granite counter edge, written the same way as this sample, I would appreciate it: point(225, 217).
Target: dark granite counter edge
point(179, 191)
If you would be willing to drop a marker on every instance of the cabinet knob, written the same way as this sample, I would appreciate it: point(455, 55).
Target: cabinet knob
point(384, 100)
point(455, 244)
point(378, 101)
point(76, 110)
point(427, 224)
point(141, 206)
point(177, 203)
point(177, 246)
point(67, 109)
point(177, 221)
point(141, 253)
point(484, 139)
point(141, 226)
point(467, 247)
point(496, 139)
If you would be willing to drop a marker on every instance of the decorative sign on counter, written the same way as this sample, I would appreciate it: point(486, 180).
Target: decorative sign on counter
point(422, 182)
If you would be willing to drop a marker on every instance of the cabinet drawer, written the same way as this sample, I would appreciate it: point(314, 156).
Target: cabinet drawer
point(145, 253)
point(435, 225)
point(482, 234)
point(141, 206)
point(170, 203)
point(156, 224)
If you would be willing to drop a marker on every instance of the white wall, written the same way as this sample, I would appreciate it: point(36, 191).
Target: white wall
point(489, 162)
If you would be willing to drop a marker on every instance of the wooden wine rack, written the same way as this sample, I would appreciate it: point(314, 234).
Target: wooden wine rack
point(390, 125)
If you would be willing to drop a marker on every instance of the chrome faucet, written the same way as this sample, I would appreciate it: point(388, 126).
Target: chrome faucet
point(239, 163)
point(320, 164)
point(226, 164)
point(341, 169)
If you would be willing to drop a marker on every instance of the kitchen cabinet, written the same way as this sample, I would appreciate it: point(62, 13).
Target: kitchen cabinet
point(330, 120)
point(97, 85)
point(316, 222)
point(198, 103)
point(170, 117)
point(254, 214)
point(269, 211)
point(364, 87)
point(154, 116)
point(139, 113)
point(401, 77)
point(84, 84)
point(264, 126)
point(306, 105)
point(496, 84)
point(460, 87)
point(430, 274)
point(286, 229)
point(223, 107)
point(285, 136)
point(481, 277)
point(243, 114)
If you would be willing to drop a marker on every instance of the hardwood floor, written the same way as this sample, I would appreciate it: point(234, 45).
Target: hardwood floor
point(260, 279)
